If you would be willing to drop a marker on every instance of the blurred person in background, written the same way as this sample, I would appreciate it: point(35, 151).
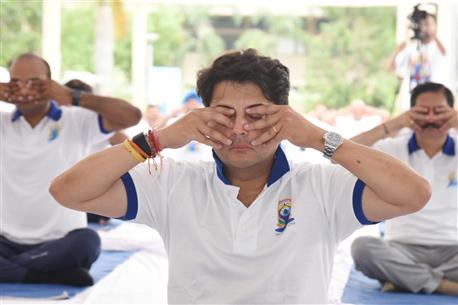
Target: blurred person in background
point(423, 57)
point(51, 128)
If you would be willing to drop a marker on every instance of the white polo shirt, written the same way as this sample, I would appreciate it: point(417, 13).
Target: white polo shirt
point(29, 159)
point(436, 223)
point(279, 250)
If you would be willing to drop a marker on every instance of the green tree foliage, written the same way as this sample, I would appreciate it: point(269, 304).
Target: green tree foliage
point(344, 58)
point(20, 28)
point(78, 48)
point(174, 41)
point(182, 29)
point(347, 59)
point(260, 40)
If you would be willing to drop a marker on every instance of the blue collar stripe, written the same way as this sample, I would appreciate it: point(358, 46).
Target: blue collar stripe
point(279, 168)
point(219, 169)
point(449, 146)
point(447, 149)
point(413, 145)
point(54, 112)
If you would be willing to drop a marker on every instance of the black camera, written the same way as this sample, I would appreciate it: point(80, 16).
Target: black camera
point(415, 18)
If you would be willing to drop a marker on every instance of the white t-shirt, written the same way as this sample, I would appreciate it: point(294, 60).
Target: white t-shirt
point(436, 223)
point(30, 159)
point(277, 251)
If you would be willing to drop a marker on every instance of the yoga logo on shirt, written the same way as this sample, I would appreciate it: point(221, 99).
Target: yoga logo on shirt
point(53, 133)
point(452, 179)
point(284, 215)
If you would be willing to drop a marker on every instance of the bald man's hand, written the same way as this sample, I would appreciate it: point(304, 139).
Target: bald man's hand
point(11, 93)
point(5, 92)
point(50, 89)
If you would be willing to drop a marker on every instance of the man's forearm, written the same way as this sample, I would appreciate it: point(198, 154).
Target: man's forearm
point(370, 137)
point(118, 113)
point(381, 131)
point(93, 176)
point(388, 177)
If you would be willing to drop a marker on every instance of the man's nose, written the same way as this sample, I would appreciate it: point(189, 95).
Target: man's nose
point(239, 123)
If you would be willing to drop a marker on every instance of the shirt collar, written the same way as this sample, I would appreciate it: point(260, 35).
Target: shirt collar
point(54, 112)
point(448, 148)
point(279, 168)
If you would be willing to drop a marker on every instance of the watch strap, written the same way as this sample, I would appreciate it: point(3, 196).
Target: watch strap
point(76, 96)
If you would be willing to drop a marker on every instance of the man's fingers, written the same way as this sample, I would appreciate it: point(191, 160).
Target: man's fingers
point(443, 116)
point(419, 109)
point(266, 122)
point(268, 135)
point(441, 109)
point(207, 141)
point(417, 116)
point(447, 125)
point(265, 109)
point(223, 110)
point(214, 134)
point(220, 119)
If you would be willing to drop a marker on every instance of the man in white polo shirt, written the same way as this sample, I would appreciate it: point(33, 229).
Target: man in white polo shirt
point(40, 241)
point(248, 227)
point(419, 252)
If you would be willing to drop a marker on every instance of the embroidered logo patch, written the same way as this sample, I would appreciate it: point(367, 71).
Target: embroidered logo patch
point(284, 215)
point(53, 133)
point(452, 179)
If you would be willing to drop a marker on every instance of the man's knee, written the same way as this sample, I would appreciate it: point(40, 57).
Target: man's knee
point(362, 249)
point(85, 242)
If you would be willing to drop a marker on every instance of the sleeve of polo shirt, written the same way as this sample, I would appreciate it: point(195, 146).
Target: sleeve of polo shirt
point(340, 194)
point(147, 194)
point(91, 126)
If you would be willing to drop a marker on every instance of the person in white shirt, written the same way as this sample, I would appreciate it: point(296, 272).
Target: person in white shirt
point(250, 226)
point(51, 128)
point(423, 59)
point(419, 252)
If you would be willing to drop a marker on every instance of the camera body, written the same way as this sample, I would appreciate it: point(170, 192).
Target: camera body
point(415, 18)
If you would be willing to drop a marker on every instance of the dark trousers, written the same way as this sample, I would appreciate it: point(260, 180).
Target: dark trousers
point(79, 248)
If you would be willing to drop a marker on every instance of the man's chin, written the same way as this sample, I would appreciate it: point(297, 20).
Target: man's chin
point(238, 159)
point(31, 106)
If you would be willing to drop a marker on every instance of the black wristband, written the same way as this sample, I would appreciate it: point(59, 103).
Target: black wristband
point(141, 142)
point(76, 96)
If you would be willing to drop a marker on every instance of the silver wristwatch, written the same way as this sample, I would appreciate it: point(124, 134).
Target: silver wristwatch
point(332, 141)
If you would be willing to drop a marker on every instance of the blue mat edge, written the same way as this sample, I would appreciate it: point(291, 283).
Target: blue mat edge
point(368, 292)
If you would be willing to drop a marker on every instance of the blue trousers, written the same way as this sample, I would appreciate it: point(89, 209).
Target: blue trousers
point(79, 248)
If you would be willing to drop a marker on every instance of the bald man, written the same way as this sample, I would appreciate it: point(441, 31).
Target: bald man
point(51, 128)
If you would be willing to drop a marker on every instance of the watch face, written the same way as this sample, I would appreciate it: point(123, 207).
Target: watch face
point(333, 138)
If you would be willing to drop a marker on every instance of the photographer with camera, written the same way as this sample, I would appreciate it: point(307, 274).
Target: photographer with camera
point(422, 58)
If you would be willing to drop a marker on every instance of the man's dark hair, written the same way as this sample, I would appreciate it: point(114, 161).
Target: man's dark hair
point(77, 84)
point(33, 56)
point(431, 87)
point(270, 75)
